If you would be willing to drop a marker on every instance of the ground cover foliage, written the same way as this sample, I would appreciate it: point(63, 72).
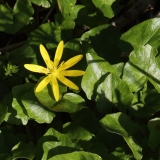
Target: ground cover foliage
point(116, 113)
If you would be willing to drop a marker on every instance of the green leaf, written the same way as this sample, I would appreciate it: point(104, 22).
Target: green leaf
point(119, 154)
point(70, 11)
point(50, 34)
point(23, 11)
point(106, 7)
point(44, 3)
point(104, 40)
point(69, 103)
point(119, 68)
point(144, 33)
point(3, 111)
point(150, 104)
point(18, 92)
point(36, 110)
point(52, 135)
point(17, 17)
point(97, 69)
point(119, 123)
point(56, 148)
point(6, 18)
point(11, 116)
point(23, 150)
point(81, 155)
point(113, 90)
point(147, 66)
point(134, 146)
point(74, 131)
point(154, 128)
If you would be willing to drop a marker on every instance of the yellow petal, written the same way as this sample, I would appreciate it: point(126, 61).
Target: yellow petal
point(58, 54)
point(71, 62)
point(72, 73)
point(36, 68)
point(43, 83)
point(55, 88)
point(46, 57)
point(67, 82)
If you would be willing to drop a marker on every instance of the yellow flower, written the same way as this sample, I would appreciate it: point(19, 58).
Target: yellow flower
point(55, 71)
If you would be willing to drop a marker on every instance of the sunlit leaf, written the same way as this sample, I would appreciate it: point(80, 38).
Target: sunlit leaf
point(97, 69)
point(35, 109)
point(119, 123)
point(113, 90)
point(22, 150)
point(144, 33)
point(18, 92)
point(44, 3)
point(106, 7)
point(81, 155)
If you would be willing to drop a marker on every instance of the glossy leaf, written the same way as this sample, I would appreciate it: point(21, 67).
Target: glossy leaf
point(18, 92)
point(44, 3)
point(154, 128)
point(69, 103)
point(56, 148)
point(70, 11)
point(119, 123)
point(134, 146)
point(113, 90)
point(144, 33)
point(52, 135)
point(36, 110)
point(97, 69)
point(11, 116)
point(147, 66)
point(81, 155)
point(22, 150)
point(106, 7)
point(74, 131)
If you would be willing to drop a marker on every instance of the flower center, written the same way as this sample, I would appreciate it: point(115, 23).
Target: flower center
point(54, 71)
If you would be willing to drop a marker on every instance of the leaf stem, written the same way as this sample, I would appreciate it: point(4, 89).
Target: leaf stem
point(11, 47)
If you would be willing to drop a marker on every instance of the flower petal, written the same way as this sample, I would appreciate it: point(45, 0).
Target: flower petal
point(71, 62)
point(36, 68)
point(55, 87)
point(43, 83)
point(58, 54)
point(46, 57)
point(72, 73)
point(67, 82)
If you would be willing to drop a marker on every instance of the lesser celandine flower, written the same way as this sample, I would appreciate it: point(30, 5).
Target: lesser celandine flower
point(55, 71)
